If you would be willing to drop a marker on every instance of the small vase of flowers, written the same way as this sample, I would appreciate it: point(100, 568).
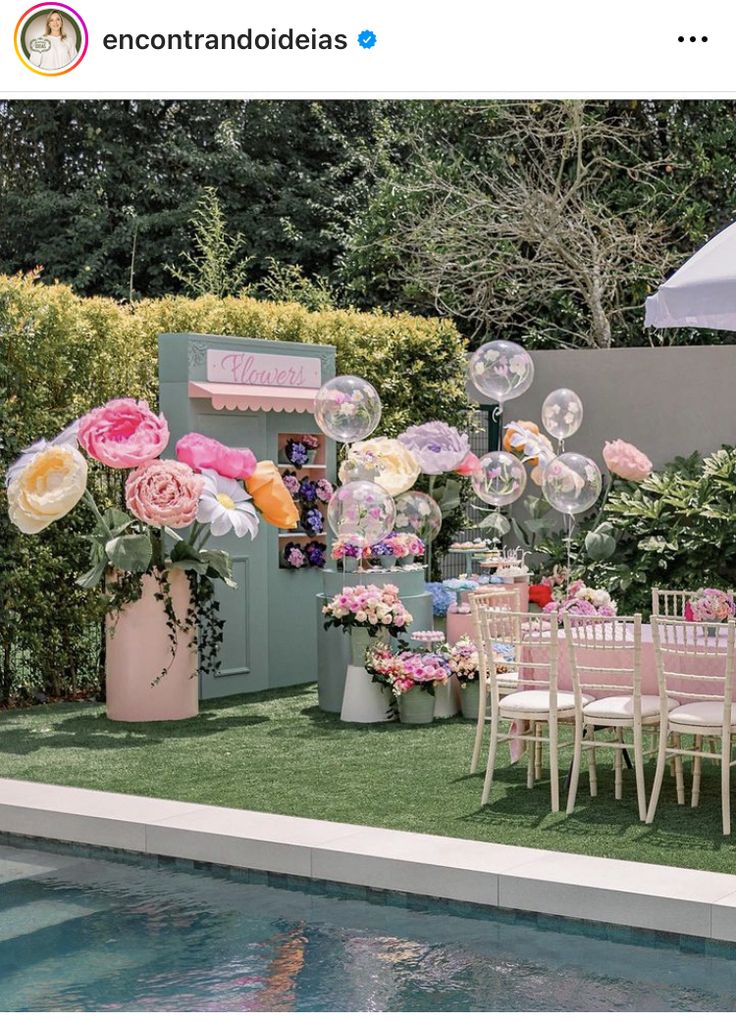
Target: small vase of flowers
point(412, 677)
point(711, 607)
point(300, 450)
point(365, 612)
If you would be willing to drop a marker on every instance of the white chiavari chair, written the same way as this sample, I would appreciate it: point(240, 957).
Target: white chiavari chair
point(689, 652)
point(671, 602)
point(530, 694)
point(605, 657)
point(502, 598)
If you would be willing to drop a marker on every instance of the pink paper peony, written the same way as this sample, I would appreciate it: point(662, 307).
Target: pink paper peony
point(200, 452)
point(164, 493)
point(123, 433)
point(626, 461)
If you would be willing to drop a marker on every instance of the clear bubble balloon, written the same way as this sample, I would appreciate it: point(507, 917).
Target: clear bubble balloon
point(419, 513)
point(562, 413)
point(361, 510)
point(500, 478)
point(347, 408)
point(501, 370)
point(572, 483)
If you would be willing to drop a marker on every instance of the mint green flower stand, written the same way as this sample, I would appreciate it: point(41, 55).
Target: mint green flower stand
point(333, 646)
point(416, 706)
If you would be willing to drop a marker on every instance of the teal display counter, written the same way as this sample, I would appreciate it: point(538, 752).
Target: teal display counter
point(333, 646)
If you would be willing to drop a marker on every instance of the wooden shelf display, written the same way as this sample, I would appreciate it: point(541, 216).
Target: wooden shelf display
point(305, 463)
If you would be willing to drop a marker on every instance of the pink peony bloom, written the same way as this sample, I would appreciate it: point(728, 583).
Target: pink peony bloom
point(123, 433)
point(200, 452)
point(164, 493)
point(626, 461)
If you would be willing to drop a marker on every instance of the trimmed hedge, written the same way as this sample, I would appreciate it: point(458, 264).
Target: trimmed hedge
point(61, 354)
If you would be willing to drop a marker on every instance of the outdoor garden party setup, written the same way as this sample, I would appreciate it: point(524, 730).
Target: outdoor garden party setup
point(260, 530)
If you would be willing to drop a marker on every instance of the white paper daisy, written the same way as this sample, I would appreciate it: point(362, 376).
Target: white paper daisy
point(225, 505)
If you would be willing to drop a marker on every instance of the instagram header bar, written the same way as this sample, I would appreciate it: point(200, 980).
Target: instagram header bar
point(185, 48)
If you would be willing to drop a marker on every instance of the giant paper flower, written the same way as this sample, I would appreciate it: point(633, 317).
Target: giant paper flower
point(200, 452)
point(381, 460)
point(164, 493)
point(224, 505)
point(271, 497)
point(626, 461)
point(437, 447)
point(67, 438)
point(123, 433)
point(526, 441)
point(46, 488)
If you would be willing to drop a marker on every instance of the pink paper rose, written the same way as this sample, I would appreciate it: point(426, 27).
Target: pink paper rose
point(164, 493)
point(200, 452)
point(123, 433)
point(469, 465)
point(626, 461)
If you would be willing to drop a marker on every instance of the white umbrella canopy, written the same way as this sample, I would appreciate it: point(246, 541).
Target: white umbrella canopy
point(702, 293)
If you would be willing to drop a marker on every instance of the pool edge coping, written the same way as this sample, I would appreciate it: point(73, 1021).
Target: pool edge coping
point(669, 899)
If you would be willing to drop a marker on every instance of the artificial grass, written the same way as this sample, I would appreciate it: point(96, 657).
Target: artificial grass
point(277, 752)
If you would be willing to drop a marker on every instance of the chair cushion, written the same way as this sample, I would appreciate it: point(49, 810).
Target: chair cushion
point(536, 700)
point(704, 714)
point(623, 706)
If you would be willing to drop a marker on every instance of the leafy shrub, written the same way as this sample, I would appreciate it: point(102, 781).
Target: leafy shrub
point(61, 354)
point(674, 530)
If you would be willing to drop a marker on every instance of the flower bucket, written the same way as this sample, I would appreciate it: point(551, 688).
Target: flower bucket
point(409, 559)
point(388, 561)
point(469, 700)
point(138, 651)
point(416, 706)
point(445, 700)
point(364, 700)
point(350, 563)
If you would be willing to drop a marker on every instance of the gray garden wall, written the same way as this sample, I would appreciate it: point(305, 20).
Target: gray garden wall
point(667, 401)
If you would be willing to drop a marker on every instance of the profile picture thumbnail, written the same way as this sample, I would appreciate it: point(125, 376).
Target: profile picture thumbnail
point(51, 40)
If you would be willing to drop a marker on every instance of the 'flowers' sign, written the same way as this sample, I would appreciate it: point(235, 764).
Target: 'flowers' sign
point(260, 370)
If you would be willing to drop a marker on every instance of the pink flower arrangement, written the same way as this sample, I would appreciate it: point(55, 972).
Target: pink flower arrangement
point(462, 659)
point(405, 544)
point(348, 546)
point(583, 601)
point(164, 493)
point(710, 605)
point(370, 607)
point(625, 460)
point(405, 670)
point(124, 433)
point(200, 452)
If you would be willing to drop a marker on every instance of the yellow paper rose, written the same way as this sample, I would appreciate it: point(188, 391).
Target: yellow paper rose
point(271, 497)
point(50, 485)
point(383, 461)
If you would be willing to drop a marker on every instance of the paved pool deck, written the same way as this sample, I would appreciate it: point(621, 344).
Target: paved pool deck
point(663, 898)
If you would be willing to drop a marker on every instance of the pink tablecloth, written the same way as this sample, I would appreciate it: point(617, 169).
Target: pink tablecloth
point(649, 685)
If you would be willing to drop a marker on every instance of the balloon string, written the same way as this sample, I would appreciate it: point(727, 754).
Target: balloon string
point(496, 416)
point(570, 527)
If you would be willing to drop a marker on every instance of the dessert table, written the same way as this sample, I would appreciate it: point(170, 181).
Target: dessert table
point(460, 620)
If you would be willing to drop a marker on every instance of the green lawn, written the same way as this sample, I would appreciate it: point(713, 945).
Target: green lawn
point(278, 753)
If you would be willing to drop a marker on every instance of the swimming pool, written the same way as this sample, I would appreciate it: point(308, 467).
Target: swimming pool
point(79, 932)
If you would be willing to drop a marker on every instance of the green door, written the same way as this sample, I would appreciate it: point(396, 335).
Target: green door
point(244, 651)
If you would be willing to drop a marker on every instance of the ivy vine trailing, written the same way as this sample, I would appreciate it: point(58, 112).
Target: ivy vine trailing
point(124, 552)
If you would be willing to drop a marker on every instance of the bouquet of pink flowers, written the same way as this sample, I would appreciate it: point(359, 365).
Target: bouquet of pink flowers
point(405, 670)
point(583, 601)
point(371, 607)
point(711, 605)
point(405, 544)
point(348, 547)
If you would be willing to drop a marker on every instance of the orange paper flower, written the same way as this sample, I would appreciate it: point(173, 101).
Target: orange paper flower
point(271, 497)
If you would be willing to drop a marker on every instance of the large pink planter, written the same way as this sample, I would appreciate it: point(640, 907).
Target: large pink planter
point(138, 650)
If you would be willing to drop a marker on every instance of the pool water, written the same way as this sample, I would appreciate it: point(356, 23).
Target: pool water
point(89, 933)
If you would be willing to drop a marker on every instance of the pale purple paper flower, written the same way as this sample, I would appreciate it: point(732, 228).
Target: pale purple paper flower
point(437, 447)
